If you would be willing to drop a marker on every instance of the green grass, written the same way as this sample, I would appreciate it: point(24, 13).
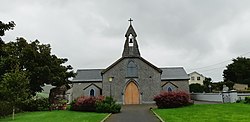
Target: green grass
point(56, 116)
point(207, 113)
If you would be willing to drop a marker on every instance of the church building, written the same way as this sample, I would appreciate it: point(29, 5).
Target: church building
point(131, 79)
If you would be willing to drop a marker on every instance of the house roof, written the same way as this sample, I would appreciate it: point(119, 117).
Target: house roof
point(88, 75)
point(194, 72)
point(174, 73)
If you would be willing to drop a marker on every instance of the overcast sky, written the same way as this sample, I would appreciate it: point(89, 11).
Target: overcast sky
point(200, 35)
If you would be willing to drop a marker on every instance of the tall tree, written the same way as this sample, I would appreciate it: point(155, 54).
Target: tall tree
point(238, 71)
point(14, 88)
point(36, 59)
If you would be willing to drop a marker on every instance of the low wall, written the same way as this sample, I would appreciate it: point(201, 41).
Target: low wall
point(215, 97)
point(241, 96)
point(224, 97)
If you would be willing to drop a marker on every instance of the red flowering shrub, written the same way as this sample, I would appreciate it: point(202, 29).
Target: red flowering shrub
point(172, 99)
point(85, 103)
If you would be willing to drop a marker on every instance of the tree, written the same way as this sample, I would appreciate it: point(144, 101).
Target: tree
point(4, 27)
point(238, 71)
point(14, 88)
point(37, 61)
point(207, 84)
point(196, 88)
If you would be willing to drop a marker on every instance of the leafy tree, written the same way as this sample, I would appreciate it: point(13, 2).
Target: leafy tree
point(37, 61)
point(219, 85)
point(238, 71)
point(196, 88)
point(207, 82)
point(4, 27)
point(14, 88)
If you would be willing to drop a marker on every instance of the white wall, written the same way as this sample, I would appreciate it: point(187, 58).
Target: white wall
point(241, 96)
point(232, 96)
point(215, 97)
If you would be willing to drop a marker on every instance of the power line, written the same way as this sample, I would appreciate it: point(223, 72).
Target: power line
point(212, 69)
point(210, 65)
point(218, 63)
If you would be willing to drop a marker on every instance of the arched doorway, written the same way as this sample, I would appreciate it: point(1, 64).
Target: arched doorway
point(132, 94)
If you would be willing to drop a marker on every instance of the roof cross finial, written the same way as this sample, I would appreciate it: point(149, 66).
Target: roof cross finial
point(130, 21)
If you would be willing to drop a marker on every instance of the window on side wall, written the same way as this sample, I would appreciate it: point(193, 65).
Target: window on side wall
point(170, 89)
point(92, 92)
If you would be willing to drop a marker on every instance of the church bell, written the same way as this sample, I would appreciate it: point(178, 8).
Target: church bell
point(130, 40)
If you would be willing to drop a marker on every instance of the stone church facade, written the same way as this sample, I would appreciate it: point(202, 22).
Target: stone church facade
point(131, 79)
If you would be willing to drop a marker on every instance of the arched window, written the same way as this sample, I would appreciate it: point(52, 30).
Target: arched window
point(92, 92)
point(131, 69)
point(170, 89)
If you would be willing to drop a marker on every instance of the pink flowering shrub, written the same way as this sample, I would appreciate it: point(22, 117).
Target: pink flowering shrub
point(172, 99)
point(86, 103)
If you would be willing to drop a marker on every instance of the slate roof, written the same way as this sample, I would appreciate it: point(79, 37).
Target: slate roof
point(174, 73)
point(94, 75)
point(88, 75)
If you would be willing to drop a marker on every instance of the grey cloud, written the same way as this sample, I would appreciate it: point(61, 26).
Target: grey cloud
point(190, 33)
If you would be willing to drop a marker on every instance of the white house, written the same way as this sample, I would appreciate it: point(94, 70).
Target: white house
point(196, 77)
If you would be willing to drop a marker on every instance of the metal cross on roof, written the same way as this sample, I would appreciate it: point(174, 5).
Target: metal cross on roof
point(130, 21)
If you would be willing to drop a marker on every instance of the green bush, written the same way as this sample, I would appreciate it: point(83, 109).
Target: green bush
point(247, 100)
point(40, 104)
point(196, 88)
point(108, 105)
point(5, 109)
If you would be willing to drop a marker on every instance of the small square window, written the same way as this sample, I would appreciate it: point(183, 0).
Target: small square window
point(192, 78)
point(198, 78)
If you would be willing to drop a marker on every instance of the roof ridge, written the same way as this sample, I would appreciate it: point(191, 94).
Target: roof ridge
point(87, 69)
point(171, 67)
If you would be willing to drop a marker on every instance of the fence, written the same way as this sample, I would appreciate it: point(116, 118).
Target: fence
point(224, 97)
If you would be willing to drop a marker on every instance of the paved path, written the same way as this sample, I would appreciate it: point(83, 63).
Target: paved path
point(134, 113)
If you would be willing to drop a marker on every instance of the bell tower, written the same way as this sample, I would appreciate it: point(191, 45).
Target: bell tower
point(131, 48)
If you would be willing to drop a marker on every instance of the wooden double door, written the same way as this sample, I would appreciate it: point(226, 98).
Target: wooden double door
point(132, 95)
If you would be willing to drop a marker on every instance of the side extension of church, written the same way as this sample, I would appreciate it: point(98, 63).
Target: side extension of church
point(131, 79)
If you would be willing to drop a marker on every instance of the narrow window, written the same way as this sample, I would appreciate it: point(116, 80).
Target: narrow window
point(131, 69)
point(92, 92)
point(169, 89)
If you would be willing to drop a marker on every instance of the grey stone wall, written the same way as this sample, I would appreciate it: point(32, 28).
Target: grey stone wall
point(78, 89)
point(148, 81)
point(183, 85)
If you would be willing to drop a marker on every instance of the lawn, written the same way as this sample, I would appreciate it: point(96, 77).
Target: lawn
point(56, 116)
point(236, 112)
